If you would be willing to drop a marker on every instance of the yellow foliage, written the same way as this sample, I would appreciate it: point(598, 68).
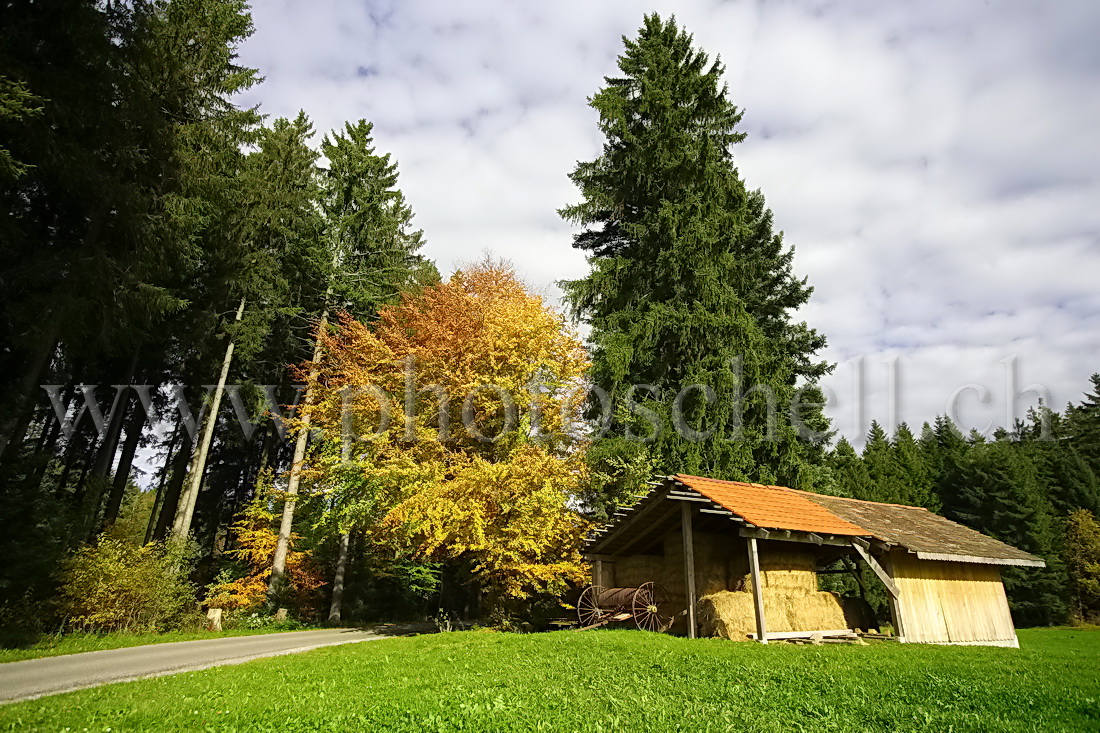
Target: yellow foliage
point(499, 499)
point(255, 546)
point(509, 517)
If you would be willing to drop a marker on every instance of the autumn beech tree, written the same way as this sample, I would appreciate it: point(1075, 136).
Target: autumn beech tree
point(447, 431)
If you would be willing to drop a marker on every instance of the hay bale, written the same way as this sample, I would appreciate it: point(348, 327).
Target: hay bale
point(731, 614)
point(631, 572)
point(792, 573)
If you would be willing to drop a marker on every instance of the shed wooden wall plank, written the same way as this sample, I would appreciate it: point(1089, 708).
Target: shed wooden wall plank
point(951, 602)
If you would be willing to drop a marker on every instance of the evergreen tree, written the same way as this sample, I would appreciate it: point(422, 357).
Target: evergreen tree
point(917, 484)
point(999, 492)
point(369, 225)
point(850, 472)
point(278, 263)
point(374, 256)
point(899, 468)
point(1068, 478)
point(689, 284)
point(1083, 425)
point(944, 449)
point(16, 103)
point(878, 457)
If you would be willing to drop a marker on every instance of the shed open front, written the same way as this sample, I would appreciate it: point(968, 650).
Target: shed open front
point(741, 561)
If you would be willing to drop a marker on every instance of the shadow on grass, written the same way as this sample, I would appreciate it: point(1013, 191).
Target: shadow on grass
point(402, 629)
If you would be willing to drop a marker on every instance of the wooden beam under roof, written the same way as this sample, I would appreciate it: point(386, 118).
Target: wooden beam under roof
point(613, 530)
point(862, 547)
point(785, 535)
point(643, 533)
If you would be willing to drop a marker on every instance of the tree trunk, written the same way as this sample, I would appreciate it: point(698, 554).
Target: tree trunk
point(278, 564)
point(182, 525)
point(125, 463)
point(175, 486)
point(48, 420)
point(158, 501)
point(73, 447)
point(108, 447)
point(338, 580)
point(105, 457)
point(47, 450)
point(85, 467)
point(18, 415)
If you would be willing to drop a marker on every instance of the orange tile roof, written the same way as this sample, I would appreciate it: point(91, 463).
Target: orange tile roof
point(772, 507)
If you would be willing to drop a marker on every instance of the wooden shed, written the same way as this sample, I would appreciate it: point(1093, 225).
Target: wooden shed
point(737, 557)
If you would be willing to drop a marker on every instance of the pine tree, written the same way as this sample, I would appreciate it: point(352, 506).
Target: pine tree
point(369, 224)
point(944, 449)
point(277, 258)
point(16, 103)
point(850, 471)
point(691, 292)
point(999, 492)
point(374, 256)
point(1084, 425)
point(918, 488)
point(878, 456)
point(1069, 480)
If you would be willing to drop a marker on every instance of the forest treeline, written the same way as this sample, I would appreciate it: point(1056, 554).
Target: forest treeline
point(1033, 486)
point(157, 233)
point(258, 277)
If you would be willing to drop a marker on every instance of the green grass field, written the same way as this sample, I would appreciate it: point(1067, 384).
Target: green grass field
point(74, 643)
point(608, 681)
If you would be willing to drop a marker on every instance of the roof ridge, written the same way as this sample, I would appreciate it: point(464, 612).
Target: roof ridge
point(859, 501)
point(797, 491)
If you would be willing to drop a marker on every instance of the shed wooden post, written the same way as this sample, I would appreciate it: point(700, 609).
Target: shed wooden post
point(895, 604)
point(757, 592)
point(597, 572)
point(689, 565)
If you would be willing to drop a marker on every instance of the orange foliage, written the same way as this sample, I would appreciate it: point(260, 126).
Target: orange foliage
point(497, 495)
point(255, 546)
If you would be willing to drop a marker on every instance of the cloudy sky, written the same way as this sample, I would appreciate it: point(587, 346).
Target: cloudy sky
point(936, 165)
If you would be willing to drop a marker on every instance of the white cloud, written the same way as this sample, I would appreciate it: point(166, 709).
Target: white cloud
point(934, 164)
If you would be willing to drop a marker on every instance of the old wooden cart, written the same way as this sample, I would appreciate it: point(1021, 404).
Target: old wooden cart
point(646, 605)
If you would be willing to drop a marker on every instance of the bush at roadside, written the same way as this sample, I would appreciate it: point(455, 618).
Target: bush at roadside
point(114, 585)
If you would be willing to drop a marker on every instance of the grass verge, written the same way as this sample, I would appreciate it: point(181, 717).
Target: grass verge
point(74, 643)
point(608, 681)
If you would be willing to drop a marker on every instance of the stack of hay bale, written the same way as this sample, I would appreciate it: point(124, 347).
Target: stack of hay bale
point(792, 602)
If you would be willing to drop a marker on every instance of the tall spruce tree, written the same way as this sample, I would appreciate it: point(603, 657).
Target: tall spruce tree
point(1084, 425)
point(374, 255)
point(944, 448)
point(878, 456)
point(369, 224)
point(691, 293)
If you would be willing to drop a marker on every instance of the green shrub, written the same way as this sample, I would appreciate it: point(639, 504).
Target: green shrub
point(114, 585)
point(257, 620)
